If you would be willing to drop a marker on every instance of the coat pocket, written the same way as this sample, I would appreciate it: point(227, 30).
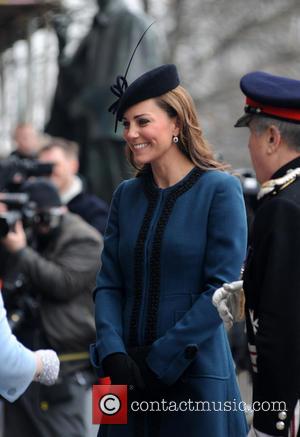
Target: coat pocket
point(213, 359)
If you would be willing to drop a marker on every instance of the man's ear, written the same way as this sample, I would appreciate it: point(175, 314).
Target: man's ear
point(273, 139)
point(74, 165)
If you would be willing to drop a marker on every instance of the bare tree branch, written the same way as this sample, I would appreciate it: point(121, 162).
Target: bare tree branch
point(230, 85)
point(176, 33)
point(244, 27)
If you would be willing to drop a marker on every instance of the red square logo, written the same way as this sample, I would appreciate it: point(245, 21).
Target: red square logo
point(110, 404)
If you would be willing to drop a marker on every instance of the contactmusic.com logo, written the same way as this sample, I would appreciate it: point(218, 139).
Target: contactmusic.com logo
point(110, 404)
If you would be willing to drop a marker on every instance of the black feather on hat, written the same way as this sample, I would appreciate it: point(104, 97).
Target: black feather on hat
point(151, 84)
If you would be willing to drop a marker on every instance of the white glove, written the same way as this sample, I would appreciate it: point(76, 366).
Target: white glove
point(254, 433)
point(251, 432)
point(229, 301)
point(47, 366)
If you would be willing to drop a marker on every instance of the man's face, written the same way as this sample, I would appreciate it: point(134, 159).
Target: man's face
point(65, 167)
point(257, 145)
point(47, 220)
point(27, 140)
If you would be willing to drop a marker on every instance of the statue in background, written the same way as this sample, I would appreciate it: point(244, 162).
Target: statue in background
point(82, 98)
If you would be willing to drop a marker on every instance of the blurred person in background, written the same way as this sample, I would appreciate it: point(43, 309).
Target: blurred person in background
point(64, 154)
point(27, 141)
point(52, 267)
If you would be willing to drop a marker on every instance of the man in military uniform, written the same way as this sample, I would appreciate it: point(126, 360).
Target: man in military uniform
point(271, 279)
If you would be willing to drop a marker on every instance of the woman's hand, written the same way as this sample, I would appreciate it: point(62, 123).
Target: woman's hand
point(122, 369)
point(47, 366)
point(133, 370)
point(151, 381)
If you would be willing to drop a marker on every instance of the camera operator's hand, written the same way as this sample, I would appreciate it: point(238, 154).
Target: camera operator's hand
point(15, 240)
point(3, 207)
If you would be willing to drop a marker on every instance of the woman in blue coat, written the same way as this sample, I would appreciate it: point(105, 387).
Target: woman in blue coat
point(176, 232)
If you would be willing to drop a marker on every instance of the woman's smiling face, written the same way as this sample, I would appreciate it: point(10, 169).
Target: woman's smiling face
point(148, 131)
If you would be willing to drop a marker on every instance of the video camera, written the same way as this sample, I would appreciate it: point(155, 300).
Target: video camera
point(16, 210)
point(14, 172)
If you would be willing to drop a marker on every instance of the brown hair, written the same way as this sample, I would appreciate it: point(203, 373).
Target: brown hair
point(70, 148)
point(178, 103)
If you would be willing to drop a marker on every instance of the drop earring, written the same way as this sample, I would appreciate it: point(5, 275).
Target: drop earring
point(175, 139)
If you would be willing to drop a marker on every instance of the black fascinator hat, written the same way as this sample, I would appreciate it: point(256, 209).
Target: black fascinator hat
point(151, 84)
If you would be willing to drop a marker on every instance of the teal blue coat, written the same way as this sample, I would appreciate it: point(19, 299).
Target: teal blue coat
point(165, 252)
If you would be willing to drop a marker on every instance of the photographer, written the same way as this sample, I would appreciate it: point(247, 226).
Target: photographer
point(57, 261)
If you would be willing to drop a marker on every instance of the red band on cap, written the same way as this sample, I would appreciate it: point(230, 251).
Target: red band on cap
point(287, 113)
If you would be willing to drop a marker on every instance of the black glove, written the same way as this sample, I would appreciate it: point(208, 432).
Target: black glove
point(152, 383)
point(123, 370)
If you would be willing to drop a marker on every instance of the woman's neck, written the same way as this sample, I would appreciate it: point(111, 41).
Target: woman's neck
point(167, 174)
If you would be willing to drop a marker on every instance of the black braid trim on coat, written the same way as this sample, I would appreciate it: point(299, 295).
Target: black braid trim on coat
point(155, 258)
point(139, 260)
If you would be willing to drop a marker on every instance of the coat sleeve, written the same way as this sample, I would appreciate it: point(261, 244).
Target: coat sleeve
point(170, 355)
point(274, 272)
point(108, 293)
point(68, 274)
point(18, 364)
